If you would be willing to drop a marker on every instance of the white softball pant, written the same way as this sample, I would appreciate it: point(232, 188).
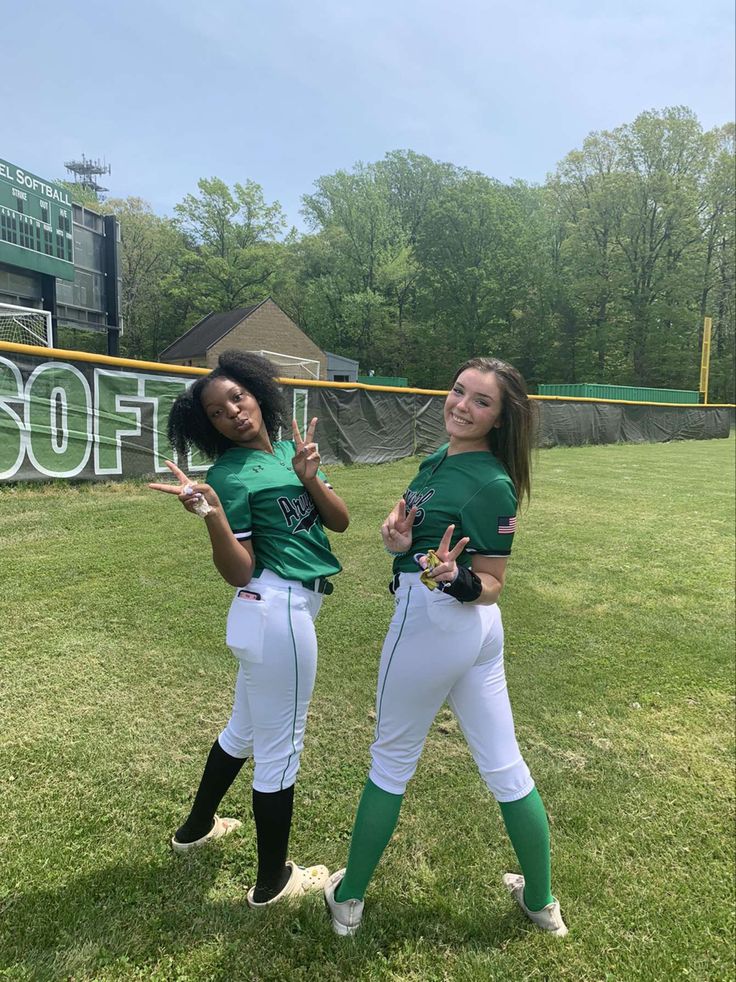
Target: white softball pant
point(439, 650)
point(276, 646)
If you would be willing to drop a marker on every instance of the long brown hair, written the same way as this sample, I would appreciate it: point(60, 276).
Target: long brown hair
point(513, 440)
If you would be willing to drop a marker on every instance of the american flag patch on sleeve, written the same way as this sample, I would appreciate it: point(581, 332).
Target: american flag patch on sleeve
point(507, 525)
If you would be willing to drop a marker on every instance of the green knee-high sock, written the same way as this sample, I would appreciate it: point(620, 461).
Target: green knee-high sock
point(375, 821)
point(528, 829)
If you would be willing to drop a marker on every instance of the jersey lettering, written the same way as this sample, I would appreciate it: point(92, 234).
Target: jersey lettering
point(299, 510)
point(414, 499)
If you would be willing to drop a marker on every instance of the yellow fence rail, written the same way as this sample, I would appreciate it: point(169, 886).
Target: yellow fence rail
point(158, 366)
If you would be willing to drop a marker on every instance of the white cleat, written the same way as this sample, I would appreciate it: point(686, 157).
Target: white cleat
point(548, 918)
point(346, 915)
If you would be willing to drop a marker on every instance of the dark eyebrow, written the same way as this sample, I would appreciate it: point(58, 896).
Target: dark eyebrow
point(478, 395)
point(234, 388)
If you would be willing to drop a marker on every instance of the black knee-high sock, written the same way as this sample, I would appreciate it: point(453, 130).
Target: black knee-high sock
point(272, 813)
point(219, 773)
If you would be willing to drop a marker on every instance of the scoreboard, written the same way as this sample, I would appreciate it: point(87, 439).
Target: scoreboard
point(35, 223)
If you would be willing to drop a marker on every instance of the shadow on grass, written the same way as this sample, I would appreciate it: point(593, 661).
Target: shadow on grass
point(135, 914)
point(437, 923)
point(132, 910)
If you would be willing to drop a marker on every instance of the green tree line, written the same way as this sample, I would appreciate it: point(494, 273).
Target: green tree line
point(602, 274)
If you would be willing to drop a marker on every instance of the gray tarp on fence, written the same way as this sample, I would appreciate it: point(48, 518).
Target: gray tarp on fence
point(64, 417)
point(572, 424)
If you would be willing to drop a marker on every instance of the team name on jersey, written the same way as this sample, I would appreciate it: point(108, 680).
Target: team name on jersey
point(298, 512)
point(415, 499)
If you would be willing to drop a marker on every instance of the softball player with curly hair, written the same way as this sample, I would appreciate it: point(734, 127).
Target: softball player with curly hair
point(451, 537)
point(264, 503)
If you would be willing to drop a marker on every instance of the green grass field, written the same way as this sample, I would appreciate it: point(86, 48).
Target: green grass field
point(114, 680)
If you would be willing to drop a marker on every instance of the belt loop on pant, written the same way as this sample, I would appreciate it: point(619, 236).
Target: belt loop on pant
point(394, 584)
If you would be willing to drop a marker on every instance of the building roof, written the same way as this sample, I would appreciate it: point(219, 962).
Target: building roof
point(198, 339)
point(340, 361)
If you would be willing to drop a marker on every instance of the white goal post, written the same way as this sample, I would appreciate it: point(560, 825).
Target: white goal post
point(293, 365)
point(25, 325)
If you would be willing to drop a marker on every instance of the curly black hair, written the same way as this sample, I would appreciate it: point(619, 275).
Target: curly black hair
point(190, 426)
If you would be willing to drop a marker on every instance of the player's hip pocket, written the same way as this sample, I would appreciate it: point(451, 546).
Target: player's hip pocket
point(444, 613)
point(246, 625)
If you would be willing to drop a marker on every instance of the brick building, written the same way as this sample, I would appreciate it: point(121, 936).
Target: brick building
point(264, 328)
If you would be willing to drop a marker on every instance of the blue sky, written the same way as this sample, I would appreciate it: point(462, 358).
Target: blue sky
point(282, 92)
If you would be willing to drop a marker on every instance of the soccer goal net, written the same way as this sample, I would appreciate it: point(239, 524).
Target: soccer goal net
point(291, 366)
point(25, 325)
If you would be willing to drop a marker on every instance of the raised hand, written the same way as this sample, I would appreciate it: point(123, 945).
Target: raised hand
point(446, 571)
point(396, 531)
point(306, 460)
point(193, 495)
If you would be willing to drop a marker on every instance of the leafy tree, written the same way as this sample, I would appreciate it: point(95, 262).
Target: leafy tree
point(584, 194)
point(151, 251)
point(368, 222)
point(233, 244)
point(410, 264)
point(658, 232)
point(478, 271)
point(643, 211)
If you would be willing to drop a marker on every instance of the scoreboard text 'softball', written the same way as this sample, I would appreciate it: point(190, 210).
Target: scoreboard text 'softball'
point(35, 223)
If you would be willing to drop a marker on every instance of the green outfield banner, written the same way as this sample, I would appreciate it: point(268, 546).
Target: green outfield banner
point(67, 415)
point(67, 419)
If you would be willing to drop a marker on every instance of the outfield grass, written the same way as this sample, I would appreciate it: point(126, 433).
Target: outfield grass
point(114, 680)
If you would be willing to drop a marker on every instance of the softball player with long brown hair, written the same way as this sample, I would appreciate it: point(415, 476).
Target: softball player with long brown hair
point(451, 537)
point(264, 503)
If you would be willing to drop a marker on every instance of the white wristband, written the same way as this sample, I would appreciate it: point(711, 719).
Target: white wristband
point(202, 507)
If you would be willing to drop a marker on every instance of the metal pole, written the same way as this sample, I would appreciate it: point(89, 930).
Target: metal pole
point(705, 359)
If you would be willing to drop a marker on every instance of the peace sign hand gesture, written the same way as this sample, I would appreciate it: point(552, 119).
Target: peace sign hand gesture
point(200, 499)
point(446, 571)
point(306, 460)
point(396, 531)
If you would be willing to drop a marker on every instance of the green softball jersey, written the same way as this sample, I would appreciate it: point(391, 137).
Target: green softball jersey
point(471, 491)
point(265, 502)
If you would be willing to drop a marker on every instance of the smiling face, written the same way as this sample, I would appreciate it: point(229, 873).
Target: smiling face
point(234, 412)
point(472, 409)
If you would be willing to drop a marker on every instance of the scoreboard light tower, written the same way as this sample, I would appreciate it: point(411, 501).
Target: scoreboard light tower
point(87, 171)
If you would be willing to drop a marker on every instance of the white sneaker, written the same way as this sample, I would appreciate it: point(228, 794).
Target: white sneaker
point(548, 918)
point(346, 915)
